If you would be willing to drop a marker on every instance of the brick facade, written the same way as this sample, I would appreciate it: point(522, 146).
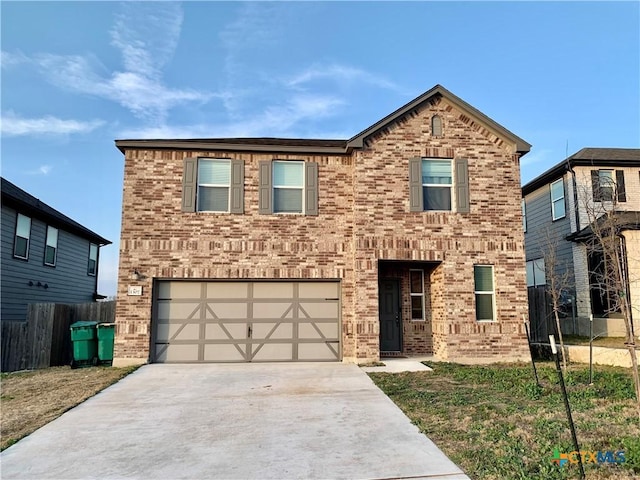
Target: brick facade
point(363, 222)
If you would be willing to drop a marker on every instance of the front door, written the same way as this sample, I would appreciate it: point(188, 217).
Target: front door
point(390, 321)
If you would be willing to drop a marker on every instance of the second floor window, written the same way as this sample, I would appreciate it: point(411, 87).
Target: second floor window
point(51, 247)
point(557, 200)
point(288, 187)
point(437, 182)
point(23, 234)
point(92, 268)
point(214, 181)
point(608, 185)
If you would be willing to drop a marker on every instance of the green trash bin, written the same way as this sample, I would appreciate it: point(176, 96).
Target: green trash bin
point(105, 334)
point(85, 347)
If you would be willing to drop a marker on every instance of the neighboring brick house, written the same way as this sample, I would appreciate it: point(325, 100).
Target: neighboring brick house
point(558, 204)
point(403, 240)
point(46, 256)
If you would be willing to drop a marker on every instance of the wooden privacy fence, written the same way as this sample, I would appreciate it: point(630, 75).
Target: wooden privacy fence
point(541, 323)
point(44, 340)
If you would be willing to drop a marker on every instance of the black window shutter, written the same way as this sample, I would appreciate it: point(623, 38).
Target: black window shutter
point(595, 185)
point(415, 185)
point(237, 187)
point(462, 185)
point(622, 194)
point(265, 190)
point(311, 188)
point(189, 184)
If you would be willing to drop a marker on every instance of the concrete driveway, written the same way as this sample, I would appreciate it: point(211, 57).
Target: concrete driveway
point(235, 421)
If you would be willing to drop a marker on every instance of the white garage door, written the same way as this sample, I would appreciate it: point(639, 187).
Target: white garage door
point(246, 321)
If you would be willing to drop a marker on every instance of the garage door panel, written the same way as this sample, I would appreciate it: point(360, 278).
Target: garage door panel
point(226, 310)
point(319, 310)
point(262, 330)
point(273, 290)
point(317, 351)
point(179, 290)
point(273, 352)
point(227, 290)
point(246, 321)
point(272, 310)
point(225, 353)
point(172, 310)
point(324, 290)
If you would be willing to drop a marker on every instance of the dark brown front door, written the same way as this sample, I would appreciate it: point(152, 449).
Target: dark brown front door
point(390, 321)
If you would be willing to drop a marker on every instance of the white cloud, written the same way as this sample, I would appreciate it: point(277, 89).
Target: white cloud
point(13, 125)
point(8, 59)
point(275, 120)
point(340, 74)
point(41, 170)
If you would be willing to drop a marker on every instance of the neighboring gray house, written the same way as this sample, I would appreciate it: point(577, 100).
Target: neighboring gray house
point(45, 255)
point(555, 206)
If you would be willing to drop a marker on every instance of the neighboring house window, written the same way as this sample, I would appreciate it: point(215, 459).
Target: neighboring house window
point(288, 187)
point(417, 295)
point(524, 215)
point(436, 126)
point(557, 199)
point(536, 274)
point(484, 292)
point(23, 233)
point(51, 247)
point(605, 187)
point(92, 268)
point(213, 185)
point(439, 184)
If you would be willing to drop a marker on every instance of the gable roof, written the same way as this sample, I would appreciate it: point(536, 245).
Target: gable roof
point(26, 203)
point(587, 157)
point(337, 147)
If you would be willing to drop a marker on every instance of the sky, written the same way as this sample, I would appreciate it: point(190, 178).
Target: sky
point(75, 76)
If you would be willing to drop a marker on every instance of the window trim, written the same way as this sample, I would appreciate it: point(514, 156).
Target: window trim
point(553, 201)
point(417, 294)
point(16, 236)
point(55, 247)
point(440, 185)
point(302, 189)
point(486, 292)
point(226, 161)
point(95, 272)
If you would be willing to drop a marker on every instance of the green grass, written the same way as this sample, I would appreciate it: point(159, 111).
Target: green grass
point(495, 422)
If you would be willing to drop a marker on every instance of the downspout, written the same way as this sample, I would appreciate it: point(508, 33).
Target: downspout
point(625, 274)
point(576, 207)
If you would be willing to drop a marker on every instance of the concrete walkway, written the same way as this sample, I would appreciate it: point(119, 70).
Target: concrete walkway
point(240, 421)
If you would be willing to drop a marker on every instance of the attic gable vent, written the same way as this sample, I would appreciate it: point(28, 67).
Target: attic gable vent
point(436, 126)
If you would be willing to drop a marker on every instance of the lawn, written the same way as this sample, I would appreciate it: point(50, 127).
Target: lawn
point(32, 399)
point(496, 423)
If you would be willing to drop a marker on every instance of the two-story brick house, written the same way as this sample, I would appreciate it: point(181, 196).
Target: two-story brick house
point(559, 206)
point(403, 240)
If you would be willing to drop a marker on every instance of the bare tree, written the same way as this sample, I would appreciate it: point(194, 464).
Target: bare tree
point(609, 266)
point(559, 282)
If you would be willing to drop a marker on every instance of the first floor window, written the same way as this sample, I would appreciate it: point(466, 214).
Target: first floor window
point(92, 268)
point(536, 275)
point(437, 180)
point(417, 295)
point(23, 233)
point(288, 187)
point(51, 247)
point(484, 292)
point(214, 179)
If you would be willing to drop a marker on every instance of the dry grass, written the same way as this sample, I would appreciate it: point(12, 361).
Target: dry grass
point(610, 342)
point(32, 399)
point(497, 424)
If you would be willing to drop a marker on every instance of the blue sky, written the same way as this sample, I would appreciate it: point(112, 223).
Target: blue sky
point(78, 75)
